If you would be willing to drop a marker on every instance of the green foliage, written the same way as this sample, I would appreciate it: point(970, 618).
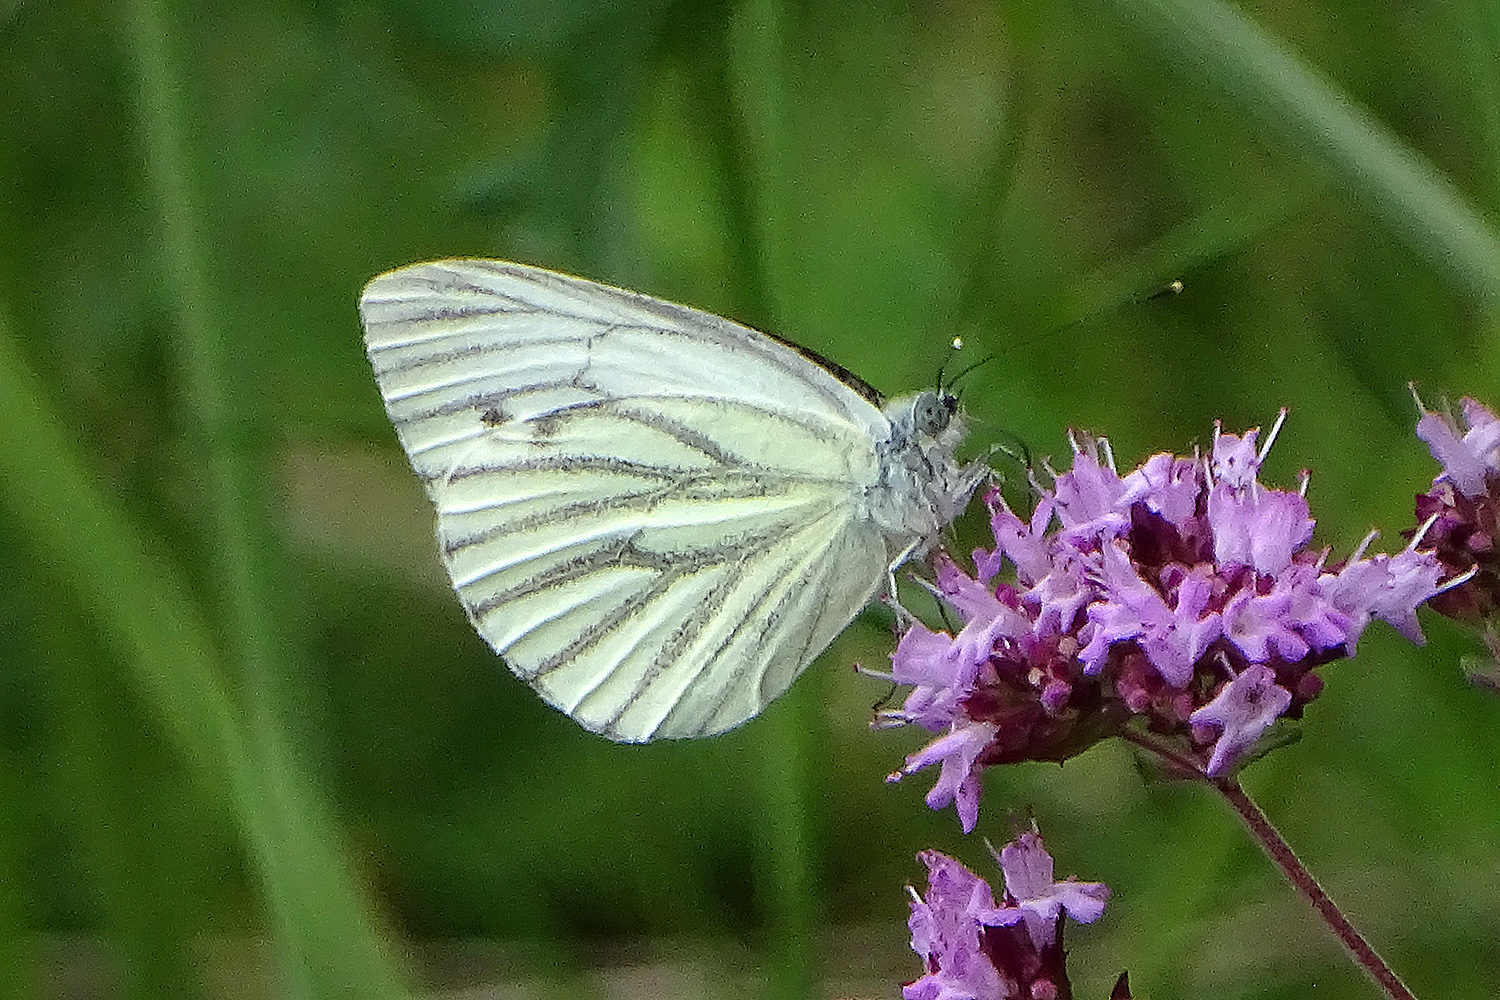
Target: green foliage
point(236, 698)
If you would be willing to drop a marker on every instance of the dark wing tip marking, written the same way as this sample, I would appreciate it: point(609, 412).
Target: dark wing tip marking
point(870, 394)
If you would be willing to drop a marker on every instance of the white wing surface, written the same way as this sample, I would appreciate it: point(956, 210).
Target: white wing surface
point(656, 515)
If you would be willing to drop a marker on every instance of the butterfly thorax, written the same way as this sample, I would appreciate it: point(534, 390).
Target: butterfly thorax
point(921, 486)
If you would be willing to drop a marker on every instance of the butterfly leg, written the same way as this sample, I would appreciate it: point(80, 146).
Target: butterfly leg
point(904, 618)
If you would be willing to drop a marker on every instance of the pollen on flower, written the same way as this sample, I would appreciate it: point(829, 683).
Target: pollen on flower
point(1182, 598)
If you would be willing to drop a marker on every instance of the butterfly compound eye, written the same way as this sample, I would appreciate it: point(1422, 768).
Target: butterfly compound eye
point(932, 411)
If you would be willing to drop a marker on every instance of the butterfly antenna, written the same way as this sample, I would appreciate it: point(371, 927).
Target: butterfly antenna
point(953, 349)
point(1171, 288)
point(1154, 293)
point(982, 361)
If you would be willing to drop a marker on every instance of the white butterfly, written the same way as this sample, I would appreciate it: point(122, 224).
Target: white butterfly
point(657, 516)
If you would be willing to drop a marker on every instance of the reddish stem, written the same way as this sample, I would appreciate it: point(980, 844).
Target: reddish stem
point(1281, 852)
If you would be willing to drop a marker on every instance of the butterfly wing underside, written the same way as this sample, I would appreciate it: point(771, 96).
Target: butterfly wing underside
point(654, 514)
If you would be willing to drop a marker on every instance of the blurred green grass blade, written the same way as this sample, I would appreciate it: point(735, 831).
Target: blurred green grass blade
point(110, 774)
point(785, 883)
point(320, 920)
point(1215, 40)
point(715, 92)
point(979, 235)
point(758, 60)
point(199, 340)
point(145, 611)
point(765, 269)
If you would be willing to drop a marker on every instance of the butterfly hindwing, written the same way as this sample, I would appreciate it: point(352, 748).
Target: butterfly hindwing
point(654, 581)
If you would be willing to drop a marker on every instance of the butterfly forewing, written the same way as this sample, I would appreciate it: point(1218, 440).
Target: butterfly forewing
point(452, 340)
point(654, 514)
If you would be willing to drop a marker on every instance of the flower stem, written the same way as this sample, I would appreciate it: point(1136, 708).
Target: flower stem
point(1291, 866)
point(1302, 879)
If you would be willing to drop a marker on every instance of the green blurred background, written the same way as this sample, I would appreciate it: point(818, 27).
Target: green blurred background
point(248, 744)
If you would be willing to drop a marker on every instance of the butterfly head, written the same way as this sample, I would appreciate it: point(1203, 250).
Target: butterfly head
point(921, 486)
point(926, 423)
point(932, 412)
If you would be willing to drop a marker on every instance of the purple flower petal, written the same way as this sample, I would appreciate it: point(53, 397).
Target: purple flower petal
point(1061, 594)
point(1259, 527)
point(1173, 639)
point(1352, 589)
point(966, 595)
point(1309, 611)
point(1023, 543)
point(1466, 459)
point(987, 617)
point(1235, 462)
point(1483, 435)
point(945, 931)
point(1387, 587)
point(958, 782)
point(1413, 577)
point(1168, 486)
point(930, 661)
point(1243, 709)
point(1259, 626)
point(1029, 881)
point(1087, 499)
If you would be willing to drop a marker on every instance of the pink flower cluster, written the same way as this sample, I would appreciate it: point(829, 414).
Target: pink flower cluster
point(1181, 597)
point(973, 948)
point(1461, 511)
